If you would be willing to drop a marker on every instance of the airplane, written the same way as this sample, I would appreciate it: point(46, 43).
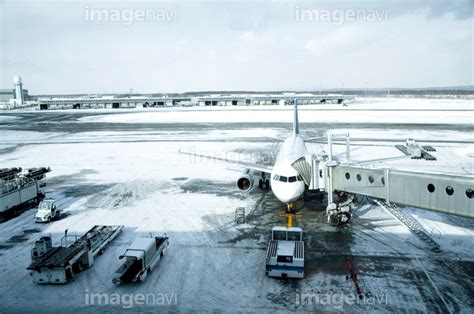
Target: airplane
point(292, 174)
point(284, 180)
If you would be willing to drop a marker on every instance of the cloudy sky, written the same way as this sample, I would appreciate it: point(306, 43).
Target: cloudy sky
point(108, 46)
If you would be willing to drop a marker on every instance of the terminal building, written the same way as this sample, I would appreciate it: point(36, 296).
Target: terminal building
point(184, 101)
point(18, 97)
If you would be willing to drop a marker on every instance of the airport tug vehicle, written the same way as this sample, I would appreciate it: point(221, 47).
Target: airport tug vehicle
point(47, 211)
point(285, 253)
point(140, 259)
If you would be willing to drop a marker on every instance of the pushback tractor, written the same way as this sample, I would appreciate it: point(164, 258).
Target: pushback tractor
point(285, 253)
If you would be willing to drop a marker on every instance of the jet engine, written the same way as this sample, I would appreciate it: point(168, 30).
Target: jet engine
point(245, 181)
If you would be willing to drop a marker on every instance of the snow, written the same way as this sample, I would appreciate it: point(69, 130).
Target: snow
point(284, 116)
point(420, 111)
point(401, 134)
point(16, 137)
point(137, 178)
point(5, 118)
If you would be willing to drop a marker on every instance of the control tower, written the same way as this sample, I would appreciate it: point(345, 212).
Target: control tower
point(19, 97)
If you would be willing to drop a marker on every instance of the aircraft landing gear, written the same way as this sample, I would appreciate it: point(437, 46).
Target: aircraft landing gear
point(263, 182)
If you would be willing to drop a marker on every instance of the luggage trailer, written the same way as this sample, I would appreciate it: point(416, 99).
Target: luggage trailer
point(285, 253)
point(59, 265)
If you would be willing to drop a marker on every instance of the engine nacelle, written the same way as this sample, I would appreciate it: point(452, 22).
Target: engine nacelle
point(245, 181)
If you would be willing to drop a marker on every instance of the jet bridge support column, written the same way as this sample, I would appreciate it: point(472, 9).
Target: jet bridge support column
point(387, 185)
point(314, 183)
point(337, 213)
point(328, 178)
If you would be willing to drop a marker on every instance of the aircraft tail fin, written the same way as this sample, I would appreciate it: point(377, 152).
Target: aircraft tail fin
point(296, 127)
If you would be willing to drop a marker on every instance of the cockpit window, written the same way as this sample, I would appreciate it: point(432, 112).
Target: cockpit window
point(283, 179)
point(287, 179)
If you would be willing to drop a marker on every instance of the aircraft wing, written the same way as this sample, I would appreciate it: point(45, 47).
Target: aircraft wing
point(319, 139)
point(250, 165)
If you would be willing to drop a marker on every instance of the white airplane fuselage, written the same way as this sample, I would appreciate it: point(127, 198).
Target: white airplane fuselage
point(286, 184)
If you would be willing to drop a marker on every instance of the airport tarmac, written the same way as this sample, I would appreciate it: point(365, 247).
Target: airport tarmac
point(130, 173)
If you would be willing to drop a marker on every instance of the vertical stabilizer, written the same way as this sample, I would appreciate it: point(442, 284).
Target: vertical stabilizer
point(296, 127)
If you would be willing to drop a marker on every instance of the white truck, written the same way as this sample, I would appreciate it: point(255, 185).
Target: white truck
point(285, 253)
point(20, 189)
point(47, 211)
point(140, 259)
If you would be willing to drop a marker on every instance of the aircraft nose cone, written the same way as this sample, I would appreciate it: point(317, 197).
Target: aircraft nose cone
point(288, 195)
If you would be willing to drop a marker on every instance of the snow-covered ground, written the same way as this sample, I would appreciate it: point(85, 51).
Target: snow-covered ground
point(6, 118)
point(109, 173)
point(396, 111)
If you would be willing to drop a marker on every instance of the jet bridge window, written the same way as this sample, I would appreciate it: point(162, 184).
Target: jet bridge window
point(431, 188)
point(469, 193)
point(449, 190)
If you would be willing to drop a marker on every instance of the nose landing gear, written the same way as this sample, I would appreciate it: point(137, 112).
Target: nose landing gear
point(290, 208)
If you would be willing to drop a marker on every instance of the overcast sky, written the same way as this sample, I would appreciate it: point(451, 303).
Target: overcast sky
point(103, 47)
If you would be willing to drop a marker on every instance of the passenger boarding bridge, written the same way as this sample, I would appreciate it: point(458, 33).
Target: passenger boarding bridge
point(450, 194)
